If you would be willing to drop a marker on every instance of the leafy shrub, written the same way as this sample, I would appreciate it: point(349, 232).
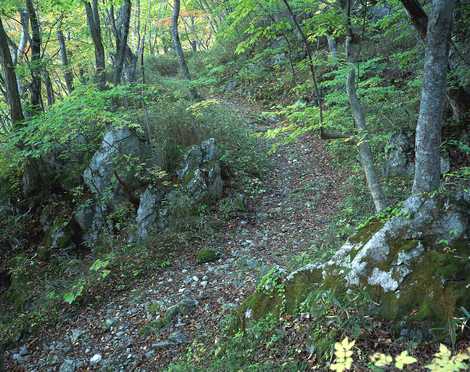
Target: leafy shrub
point(162, 65)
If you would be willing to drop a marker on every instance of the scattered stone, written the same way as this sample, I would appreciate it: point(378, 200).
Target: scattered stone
point(23, 351)
point(178, 338)
point(161, 345)
point(109, 323)
point(95, 359)
point(70, 365)
point(76, 334)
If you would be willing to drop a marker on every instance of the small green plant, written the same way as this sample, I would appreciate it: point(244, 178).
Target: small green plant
point(100, 267)
point(75, 293)
point(165, 264)
point(206, 255)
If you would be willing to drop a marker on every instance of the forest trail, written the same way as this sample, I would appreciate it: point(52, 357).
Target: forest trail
point(299, 196)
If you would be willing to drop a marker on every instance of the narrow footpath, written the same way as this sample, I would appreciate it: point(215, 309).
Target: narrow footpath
point(300, 196)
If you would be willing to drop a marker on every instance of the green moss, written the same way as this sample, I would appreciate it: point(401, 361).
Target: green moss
point(396, 247)
point(206, 255)
point(298, 288)
point(364, 233)
point(58, 237)
point(284, 297)
point(434, 290)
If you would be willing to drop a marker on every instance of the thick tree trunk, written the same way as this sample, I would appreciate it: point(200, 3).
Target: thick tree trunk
point(177, 45)
point(428, 131)
point(68, 75)
point(14, 101)
point(24, 40)
point(417, 15)
point(176, 40)
point(458, 97)
point(94, 25)
point(121, 41)
point(35, 58)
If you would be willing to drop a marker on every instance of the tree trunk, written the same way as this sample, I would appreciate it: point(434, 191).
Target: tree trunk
point(49, 88)
point(35, 58)
point(121, 41)
point(428, 131)
point(332, 47)
point(313, 74)
point(367, 159)
point(14, 101)
point(68, 76)
point(365, 153)
point(417, 15)
point(94, 25)
point(177, 45)
point(458, 97)
point(24, 39)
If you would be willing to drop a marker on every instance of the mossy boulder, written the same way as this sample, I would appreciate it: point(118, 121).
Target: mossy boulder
point(415, 265)
point(200, 173)
point(206, 255)
point(58, 237)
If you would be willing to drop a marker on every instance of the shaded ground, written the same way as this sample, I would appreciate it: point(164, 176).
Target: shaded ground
point(123, 332)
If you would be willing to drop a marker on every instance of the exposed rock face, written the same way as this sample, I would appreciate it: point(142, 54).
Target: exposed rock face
point(200, 173)
point(110, 177)
point(148, 213)
point(91, 219)
point(399, 150)
point(400, 156)
point(415, 264)
point(200, 181)
point(100, 175)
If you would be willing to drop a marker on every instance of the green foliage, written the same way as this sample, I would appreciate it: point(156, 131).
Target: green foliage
point(75, 293)
point(161, 65)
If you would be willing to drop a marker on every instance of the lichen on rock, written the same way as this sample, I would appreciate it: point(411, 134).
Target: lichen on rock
point(415, 265)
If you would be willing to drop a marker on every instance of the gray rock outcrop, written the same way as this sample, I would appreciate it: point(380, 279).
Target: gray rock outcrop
point(200, 173)
point(101, 174)
point(399, 156)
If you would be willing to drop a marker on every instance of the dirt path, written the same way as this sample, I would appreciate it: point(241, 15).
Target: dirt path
point(300, 196)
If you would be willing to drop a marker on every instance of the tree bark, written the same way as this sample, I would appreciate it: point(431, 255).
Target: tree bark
point(177, 45)
point(365, 153)
point(49, 88)
point(428, 131)
point(458, 96)
point(332, 47)
point(14, 101)
point(35, 58)
point(313, 74)
point(418, 16)
point(94, 25)
point(121, 41)
point(24, 39)
point(68, 75)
